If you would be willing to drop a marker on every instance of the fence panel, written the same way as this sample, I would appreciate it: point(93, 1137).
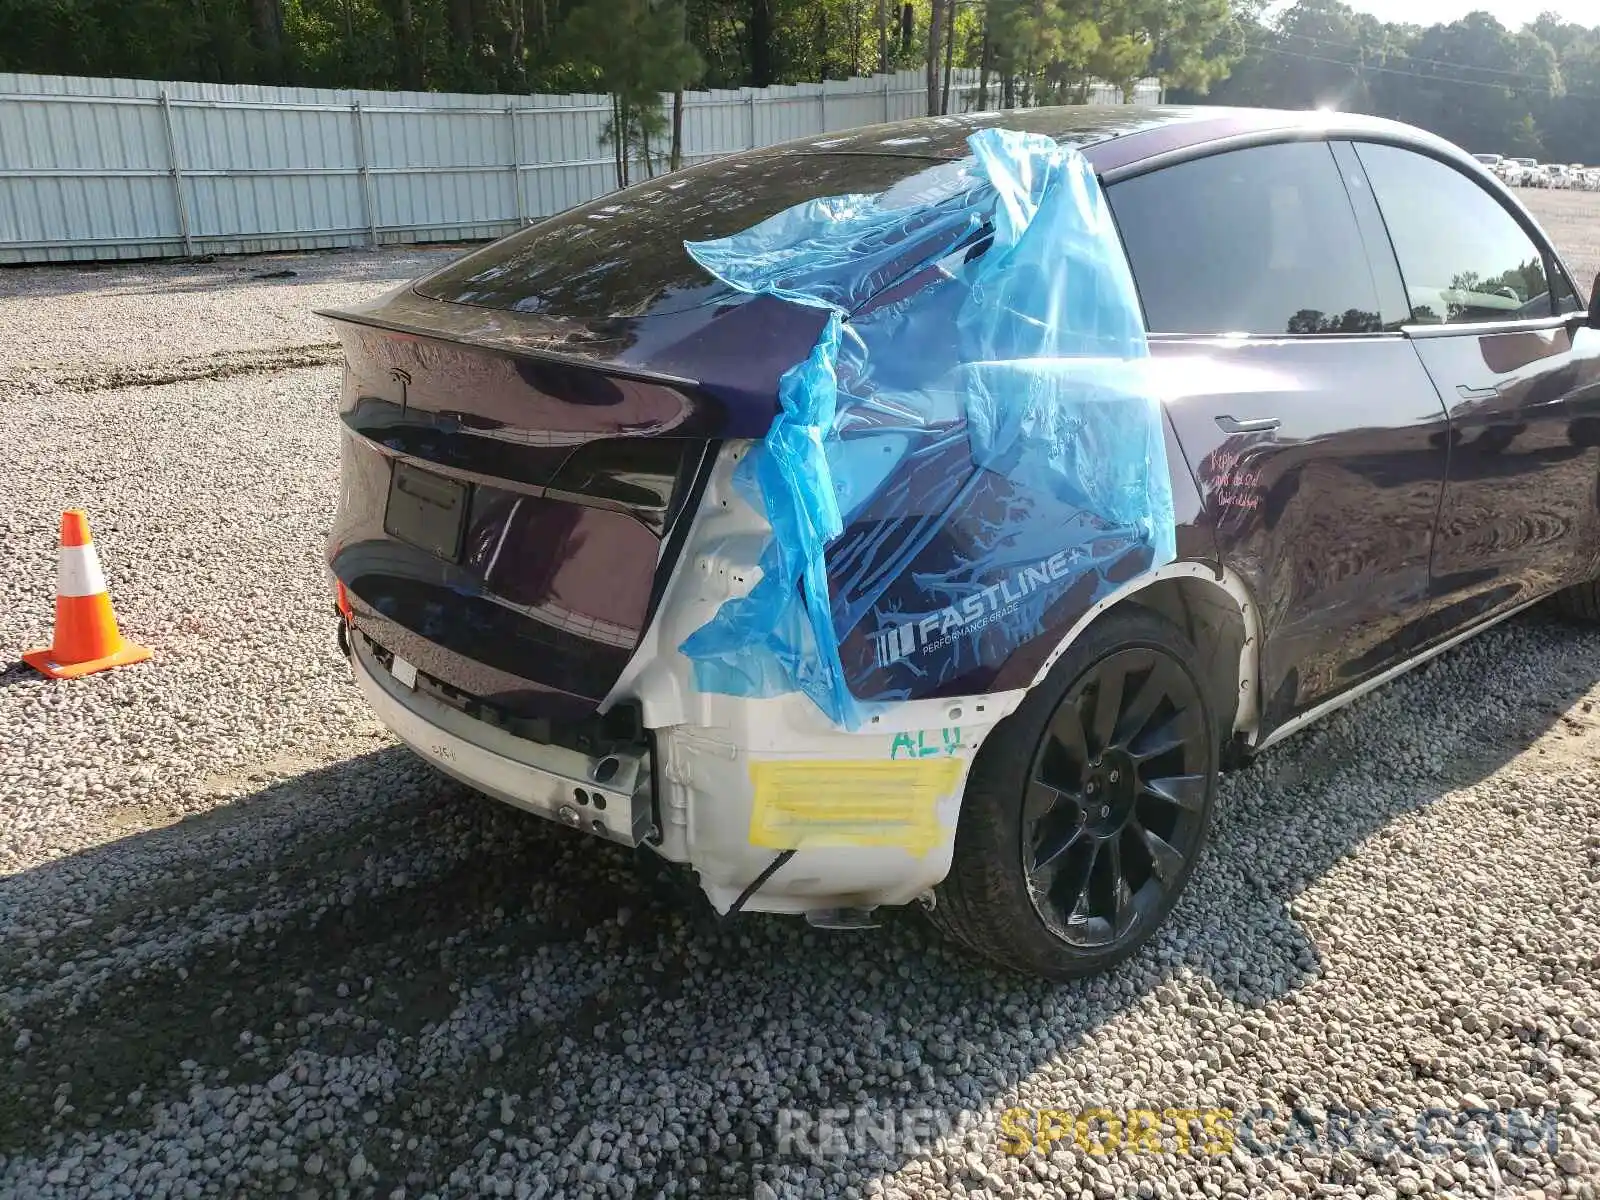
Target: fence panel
point(132, 168)
point(91, 172)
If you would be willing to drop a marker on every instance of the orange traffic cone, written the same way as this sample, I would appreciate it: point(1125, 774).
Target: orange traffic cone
point(87, 638)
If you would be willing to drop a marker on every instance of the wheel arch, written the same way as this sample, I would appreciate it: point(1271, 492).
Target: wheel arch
point(1219, 614)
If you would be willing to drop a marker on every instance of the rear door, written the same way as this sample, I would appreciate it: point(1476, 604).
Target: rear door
point(1491, 317)
point(1314, 433)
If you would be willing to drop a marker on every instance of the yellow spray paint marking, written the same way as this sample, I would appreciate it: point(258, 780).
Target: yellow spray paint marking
point(851, 803)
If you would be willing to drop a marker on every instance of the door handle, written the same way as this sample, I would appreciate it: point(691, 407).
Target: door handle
point(1250, 425)
point(1472, 393)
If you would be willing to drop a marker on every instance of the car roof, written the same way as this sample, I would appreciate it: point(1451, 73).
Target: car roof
point(1117, 137)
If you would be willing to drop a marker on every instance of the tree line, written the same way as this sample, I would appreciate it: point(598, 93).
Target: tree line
point(1533, 91)
point(553, 46)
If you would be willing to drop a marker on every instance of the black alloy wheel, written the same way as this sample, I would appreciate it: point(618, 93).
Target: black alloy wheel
point(1115, 810)
point(1086, 810)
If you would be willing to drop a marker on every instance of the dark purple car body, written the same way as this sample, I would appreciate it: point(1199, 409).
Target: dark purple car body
point(1381, 387)
point(1416, 483)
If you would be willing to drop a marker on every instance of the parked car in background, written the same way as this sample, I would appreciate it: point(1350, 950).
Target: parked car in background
point(1522, 172)
point(1491, 161)
point(1380, 393)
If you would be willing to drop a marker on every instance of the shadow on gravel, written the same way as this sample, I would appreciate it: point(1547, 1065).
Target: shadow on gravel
point(18, 672)
point(496, 972)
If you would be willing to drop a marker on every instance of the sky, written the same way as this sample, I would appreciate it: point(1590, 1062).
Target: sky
point(1511, 13)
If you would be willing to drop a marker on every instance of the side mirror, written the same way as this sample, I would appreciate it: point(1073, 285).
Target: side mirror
point(1594, 304)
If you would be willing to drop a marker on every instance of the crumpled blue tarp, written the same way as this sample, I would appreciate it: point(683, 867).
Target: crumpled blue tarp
point(971, 448)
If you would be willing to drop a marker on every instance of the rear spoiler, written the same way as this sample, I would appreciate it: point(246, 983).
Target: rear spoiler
point(410, 315)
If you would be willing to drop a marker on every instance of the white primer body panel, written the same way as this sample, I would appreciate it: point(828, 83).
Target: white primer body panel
point(706, 744)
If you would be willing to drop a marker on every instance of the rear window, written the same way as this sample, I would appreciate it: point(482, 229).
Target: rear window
point(1256, 241)
point(623, 256)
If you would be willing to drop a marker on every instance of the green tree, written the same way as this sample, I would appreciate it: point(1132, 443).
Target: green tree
point(635, 50)
point(1194, 43)
point(1476, 83)
point(1041, 48)
point(1050, 51)
point(1566, 121)
point(1473, 81)
point(1319, 52)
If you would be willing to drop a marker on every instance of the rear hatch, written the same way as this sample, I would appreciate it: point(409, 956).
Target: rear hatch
point(527, 431)
point(501, 519)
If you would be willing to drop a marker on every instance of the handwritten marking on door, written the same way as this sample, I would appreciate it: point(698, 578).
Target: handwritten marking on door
point(1234, 484)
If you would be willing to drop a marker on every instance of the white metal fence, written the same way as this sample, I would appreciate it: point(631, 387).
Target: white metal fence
point(125, 168)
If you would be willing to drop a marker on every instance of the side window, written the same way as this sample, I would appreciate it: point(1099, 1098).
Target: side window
point(1567, 300)
point(1259, 241)
point(1465, 258)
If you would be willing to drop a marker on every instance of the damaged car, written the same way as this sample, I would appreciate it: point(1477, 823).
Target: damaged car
point(927, 513)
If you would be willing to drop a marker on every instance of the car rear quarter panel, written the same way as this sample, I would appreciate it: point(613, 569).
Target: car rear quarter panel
point(1196, 543)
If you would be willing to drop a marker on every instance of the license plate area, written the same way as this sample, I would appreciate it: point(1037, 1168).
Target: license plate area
point(426, 511)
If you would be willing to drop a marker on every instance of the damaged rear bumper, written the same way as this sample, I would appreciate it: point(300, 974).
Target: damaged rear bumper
point(608, 796)
point(871, 815)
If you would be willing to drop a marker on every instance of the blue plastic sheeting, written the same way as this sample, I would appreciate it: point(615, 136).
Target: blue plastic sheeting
point(971, 454)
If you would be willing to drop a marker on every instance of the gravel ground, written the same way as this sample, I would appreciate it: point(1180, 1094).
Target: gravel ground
point(172, 322)
point(250, 946)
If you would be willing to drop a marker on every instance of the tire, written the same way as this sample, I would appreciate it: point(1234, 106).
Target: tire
point(1581, 601)
point(1005, 897)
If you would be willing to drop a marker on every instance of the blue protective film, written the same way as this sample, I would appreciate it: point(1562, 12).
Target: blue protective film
point(970, 454)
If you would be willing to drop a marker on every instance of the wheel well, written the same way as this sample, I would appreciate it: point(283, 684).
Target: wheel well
point(1221, 626)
